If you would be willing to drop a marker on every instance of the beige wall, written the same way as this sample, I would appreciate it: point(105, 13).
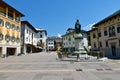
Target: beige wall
point(94, 40)
point(112, 40)
point(4, 30)
point(9, 14)
point(115, 39)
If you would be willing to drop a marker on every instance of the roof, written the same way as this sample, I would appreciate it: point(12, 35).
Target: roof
point(41, 30)
point(70, 29)
point(109, 17)
point(93, 29)
point(82, 31)
point(57, 39)
point(4, 3)
point(29, 25)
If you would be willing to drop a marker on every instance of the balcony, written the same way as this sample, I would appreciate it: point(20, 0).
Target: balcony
point(2, 13)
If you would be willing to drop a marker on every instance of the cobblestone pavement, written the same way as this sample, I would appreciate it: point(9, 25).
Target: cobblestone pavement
point(46, 66)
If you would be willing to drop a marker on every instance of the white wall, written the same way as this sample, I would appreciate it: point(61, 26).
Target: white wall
point(28, 36)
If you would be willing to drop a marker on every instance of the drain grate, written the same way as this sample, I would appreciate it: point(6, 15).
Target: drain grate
point(99, 69)
point(79, 70)
point(108, 69)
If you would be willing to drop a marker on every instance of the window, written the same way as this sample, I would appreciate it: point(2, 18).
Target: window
point(8, 25)
point(40, 41)
point(7, 38)
point(17, 28)
point(40, 35)
point(17, 19)
point(64, 44)
point(105, 33)
point(94, 36)
point(66, 38)
point(51, 43)
point(100, 44)
point(26, 38)
point(27, 31)
point(112, 31)
point(99, 34)
point(10, 15)
point(119, 42)
point(17, 40)
point(69, 39)
point(1, 22)
point(94, 45)
point(13, 26)
point(73, 36)
point(1, 36)
point(118, 29)
point(13, 39)
point(106, 43)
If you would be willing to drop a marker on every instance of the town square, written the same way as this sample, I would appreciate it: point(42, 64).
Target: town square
point(59, 40)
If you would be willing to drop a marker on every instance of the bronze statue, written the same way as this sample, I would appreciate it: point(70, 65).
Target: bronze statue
point(77, 27)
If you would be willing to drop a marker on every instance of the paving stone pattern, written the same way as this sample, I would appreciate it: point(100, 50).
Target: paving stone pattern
point(46, 66)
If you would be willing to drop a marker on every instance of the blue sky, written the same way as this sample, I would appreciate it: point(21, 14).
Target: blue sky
point(56, 16)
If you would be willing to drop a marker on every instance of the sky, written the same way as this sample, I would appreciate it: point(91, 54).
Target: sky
point(56, 16)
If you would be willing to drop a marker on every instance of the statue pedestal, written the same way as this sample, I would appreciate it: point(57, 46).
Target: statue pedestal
point(79, 43)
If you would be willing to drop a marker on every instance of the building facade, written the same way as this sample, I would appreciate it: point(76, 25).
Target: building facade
point(93, 38)
point(71, 42)
point(42, 36)
point(53, 43)
point(29, 38)
point(10, 26)
point(108, 31)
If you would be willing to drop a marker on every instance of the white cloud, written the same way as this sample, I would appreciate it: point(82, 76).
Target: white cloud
point(59, 35)
point(88, 27)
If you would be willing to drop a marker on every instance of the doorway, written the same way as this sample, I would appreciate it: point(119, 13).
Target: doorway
point(11, 51)
point(113, 50)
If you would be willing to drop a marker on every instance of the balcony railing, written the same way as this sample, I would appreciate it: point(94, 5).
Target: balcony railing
point(10, 17)
point(2, 13)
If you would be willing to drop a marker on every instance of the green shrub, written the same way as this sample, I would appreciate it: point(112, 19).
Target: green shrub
point(95, 53)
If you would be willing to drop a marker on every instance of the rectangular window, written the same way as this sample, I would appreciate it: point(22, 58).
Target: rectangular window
point(119, 42)
point(27, 31)
point(118, 29)
point(106, 43)
point(94, 45)
point(17, 18)
point(7, 24)
point(40, 41)
point(40, 35)
point(112, 31)
point(100, 44)
point(105, 33)
point(99, 34)
point(94, 36)
point(26, 38)
point(1, 22)
point(10, 15)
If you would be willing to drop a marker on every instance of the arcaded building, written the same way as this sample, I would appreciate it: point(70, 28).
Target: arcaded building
point(10, 26)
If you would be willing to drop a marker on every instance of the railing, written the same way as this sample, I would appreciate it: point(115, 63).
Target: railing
point(2, 13)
